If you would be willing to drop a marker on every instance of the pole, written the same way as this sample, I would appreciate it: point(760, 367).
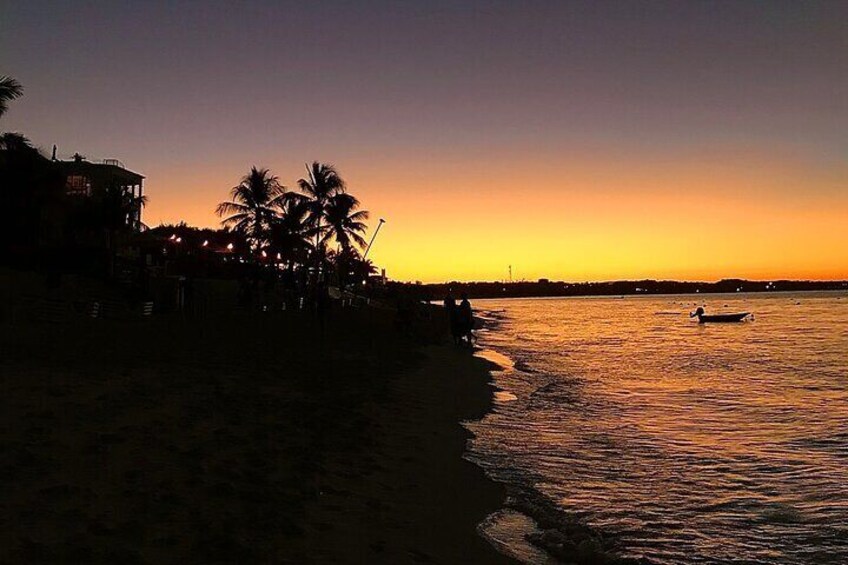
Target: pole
point(373, 237)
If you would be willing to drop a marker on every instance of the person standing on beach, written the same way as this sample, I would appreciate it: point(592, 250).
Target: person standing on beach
point(450, 310)
point(465, 320)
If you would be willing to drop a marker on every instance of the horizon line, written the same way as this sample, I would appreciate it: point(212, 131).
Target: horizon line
point(615, 281)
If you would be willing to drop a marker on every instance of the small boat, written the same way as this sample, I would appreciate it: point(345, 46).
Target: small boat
point(718, 318)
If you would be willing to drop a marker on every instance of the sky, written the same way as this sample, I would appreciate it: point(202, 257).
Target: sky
point(571, 140)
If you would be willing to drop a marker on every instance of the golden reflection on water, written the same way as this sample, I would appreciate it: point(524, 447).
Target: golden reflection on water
point(689, 442)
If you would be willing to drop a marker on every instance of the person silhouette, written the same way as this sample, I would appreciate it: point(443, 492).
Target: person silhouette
point(465, 320)
point(450, 309)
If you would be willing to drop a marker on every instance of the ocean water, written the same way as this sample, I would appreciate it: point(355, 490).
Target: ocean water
point(675, 442)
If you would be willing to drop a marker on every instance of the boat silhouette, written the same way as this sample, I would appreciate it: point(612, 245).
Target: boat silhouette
point(703, 317)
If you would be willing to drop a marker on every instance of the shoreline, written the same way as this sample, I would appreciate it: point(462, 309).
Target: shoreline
point(530, 526)
point(413, 497)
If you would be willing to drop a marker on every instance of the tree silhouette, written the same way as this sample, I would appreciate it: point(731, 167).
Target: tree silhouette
point(291, 230)
point(321, 183)
point(345, 222)
point(31, 195)
point(10, 89)
point(114, 213)
point(297, 227)
point(16, 142)
point(118, 207)
point(350, 266)
point(252, 208)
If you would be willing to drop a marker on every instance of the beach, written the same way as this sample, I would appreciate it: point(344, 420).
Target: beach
point(245, 437)
point(410, 496)
point(414, 282)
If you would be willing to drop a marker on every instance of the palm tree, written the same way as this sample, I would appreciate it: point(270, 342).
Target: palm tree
point(15, 142)
point(251, 209)
point(31, 193)
point(119, 208)
point(10, 89)
point(115, 212)
point(362, 269)
point(351, 267)
point(321, 183)
point(345, 225)
point(345, 222)
point(291, 230)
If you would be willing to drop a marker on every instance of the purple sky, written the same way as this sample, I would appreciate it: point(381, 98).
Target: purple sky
point(208, 78)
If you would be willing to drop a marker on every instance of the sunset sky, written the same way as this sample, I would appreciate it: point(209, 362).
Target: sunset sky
point(571, 140)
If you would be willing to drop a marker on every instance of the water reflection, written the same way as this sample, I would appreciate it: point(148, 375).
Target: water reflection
point(689, 442)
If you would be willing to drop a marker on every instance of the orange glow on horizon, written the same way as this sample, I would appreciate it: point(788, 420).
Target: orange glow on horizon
point(691, 217)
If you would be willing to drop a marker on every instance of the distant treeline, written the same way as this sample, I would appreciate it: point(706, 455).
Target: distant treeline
point(613, 288)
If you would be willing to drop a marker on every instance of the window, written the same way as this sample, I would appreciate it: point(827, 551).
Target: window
point(78, 185)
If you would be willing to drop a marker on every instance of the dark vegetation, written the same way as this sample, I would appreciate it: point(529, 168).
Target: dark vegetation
point(277, 247)
point(614, 288)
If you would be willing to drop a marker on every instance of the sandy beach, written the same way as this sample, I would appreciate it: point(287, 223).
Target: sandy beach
point(239, 438)
point(409, 496)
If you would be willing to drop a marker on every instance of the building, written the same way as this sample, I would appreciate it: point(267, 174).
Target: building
point(85, 178)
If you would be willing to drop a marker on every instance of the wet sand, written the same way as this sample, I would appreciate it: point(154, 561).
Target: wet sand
point(410, 496)
point(246, 438)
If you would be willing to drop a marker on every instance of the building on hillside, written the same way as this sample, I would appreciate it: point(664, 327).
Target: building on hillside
point(85, 178)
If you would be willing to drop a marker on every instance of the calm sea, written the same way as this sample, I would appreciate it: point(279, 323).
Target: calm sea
point(680, 442)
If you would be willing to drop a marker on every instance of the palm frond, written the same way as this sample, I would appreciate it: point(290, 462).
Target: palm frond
point(225, 208)
point(15, 142)
point(321, 182)
point(236, 219)
point(358, 239)
point(10, 89)
point(255, 204)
